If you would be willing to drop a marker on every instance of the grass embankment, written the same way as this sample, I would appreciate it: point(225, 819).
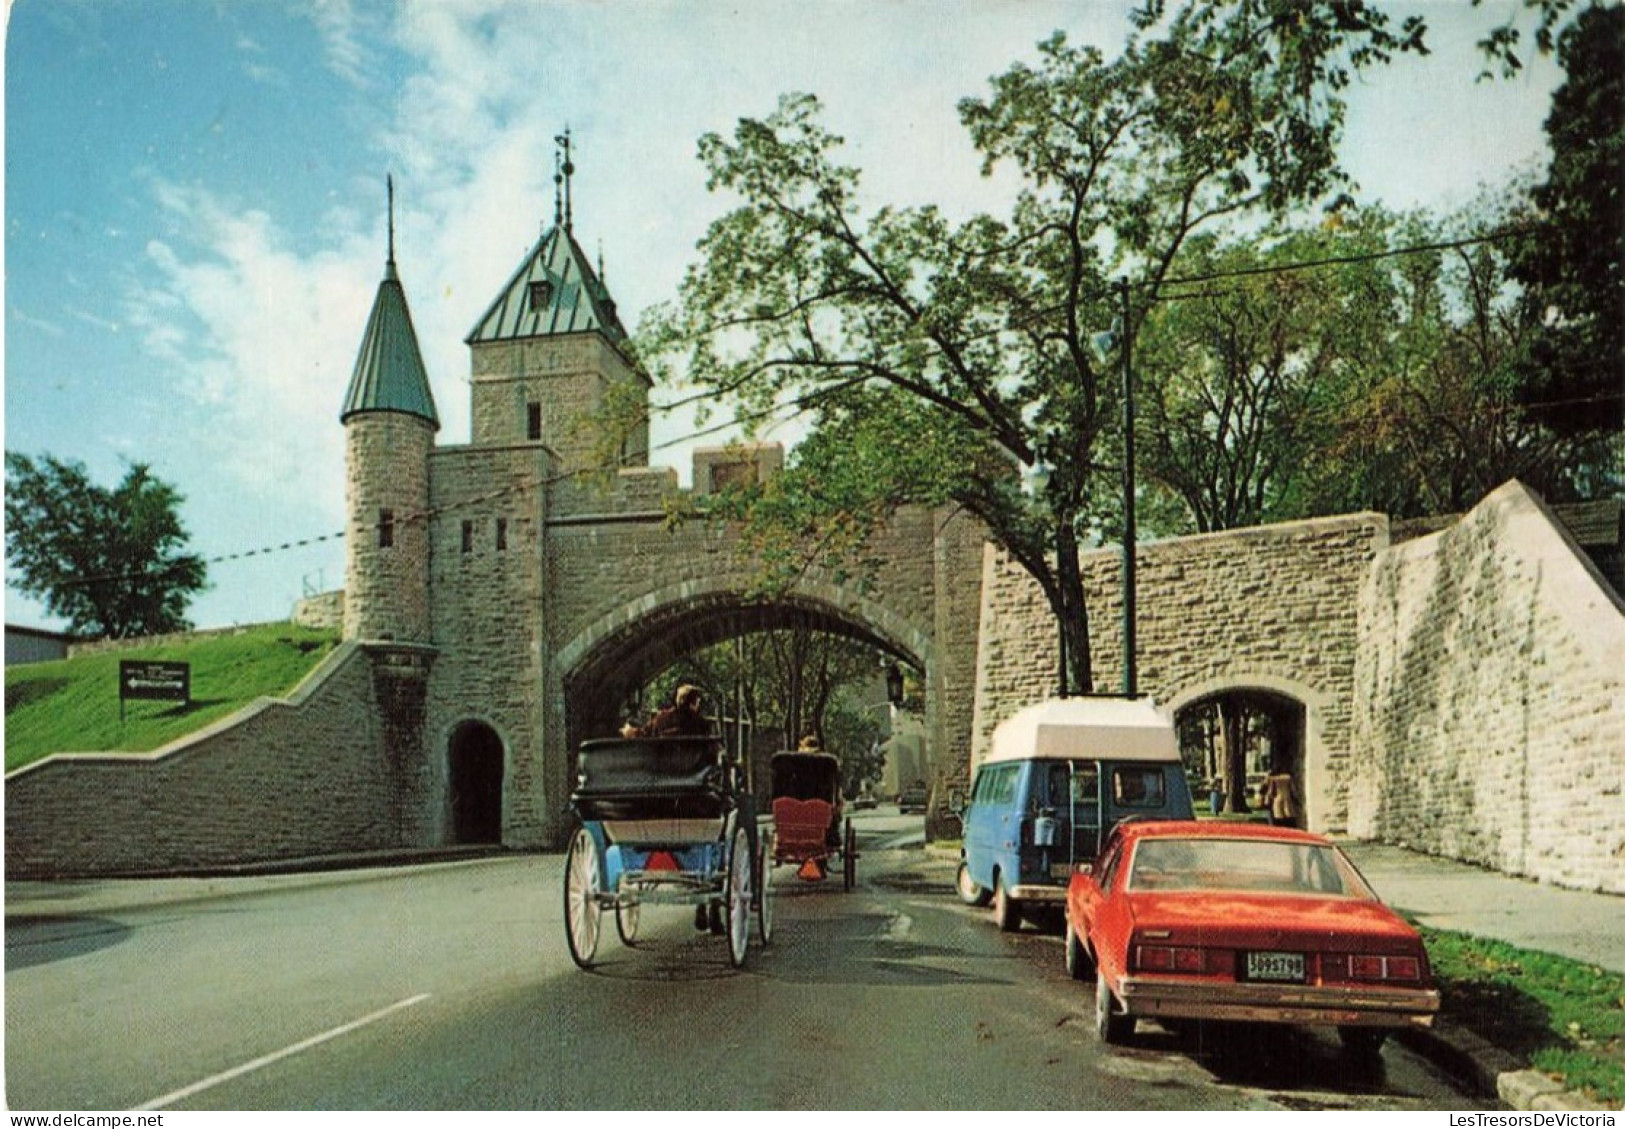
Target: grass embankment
point(1560, 1016)
point(72, 705)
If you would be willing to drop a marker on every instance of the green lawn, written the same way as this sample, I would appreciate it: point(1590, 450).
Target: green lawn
point(1562, 1017)
point(72, 706)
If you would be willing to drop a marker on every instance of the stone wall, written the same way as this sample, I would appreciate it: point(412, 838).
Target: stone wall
point(1490, 700)
point(1269, 608)
point(295, 778)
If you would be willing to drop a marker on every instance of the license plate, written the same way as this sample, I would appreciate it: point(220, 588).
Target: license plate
point(1060, 870)
point(1275, 966)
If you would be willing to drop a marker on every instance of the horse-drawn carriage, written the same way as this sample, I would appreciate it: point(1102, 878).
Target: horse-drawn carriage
point(809, 827)
point(664, 820)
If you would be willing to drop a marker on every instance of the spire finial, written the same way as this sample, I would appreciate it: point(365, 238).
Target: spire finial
point(389, 181)
point(564, 169)
point(558, 191)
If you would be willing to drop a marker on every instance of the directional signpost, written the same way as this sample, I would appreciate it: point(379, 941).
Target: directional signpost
point(153, 681)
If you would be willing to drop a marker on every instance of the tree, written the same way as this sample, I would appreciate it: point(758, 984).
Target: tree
point(1372, 362)
point(1573, 264)
point(1241, 377)
point(935, 358)
point(110, 562)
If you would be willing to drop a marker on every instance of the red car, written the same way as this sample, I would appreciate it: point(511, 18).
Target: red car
point(1212, 921)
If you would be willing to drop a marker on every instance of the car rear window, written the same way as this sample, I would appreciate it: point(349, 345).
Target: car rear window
point(1243, 864)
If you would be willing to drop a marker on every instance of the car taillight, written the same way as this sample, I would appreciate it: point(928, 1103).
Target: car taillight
point(1371, 966)
point(1171, 958)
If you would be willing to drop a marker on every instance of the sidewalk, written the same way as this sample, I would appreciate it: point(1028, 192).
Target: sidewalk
point(1467, 899)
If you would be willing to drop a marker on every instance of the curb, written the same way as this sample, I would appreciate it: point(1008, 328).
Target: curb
point(35, 899)
point(1491, 1071)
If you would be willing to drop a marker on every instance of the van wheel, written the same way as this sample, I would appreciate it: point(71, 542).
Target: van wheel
point(969, 892)
point(1006, 910)
point(1078, 964)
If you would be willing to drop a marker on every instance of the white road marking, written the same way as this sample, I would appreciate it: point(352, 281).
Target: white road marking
point(277, 1056)
point(898, 928)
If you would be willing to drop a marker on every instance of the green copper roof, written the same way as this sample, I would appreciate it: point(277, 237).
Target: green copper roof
point(389, 373)
point(555, 291)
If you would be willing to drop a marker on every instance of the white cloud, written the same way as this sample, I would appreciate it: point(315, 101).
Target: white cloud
point(261, 337)
point(342, 30)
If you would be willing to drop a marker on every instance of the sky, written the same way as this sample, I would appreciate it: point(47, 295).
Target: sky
point(195, 203)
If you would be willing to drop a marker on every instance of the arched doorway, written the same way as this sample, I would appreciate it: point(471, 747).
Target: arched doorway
point(1234, 740)
point(474, 772)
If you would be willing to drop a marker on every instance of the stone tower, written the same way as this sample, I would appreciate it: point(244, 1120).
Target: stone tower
point(389, 426)
point(549, 359)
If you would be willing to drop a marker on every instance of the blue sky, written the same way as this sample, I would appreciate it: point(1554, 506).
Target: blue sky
point(195, 203)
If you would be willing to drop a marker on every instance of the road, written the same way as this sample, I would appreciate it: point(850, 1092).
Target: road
point(450, 987)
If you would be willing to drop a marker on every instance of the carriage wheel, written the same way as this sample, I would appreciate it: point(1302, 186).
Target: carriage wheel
point(626, 918)
point(849, 858)
point(582, 913)
point(737, 907)
point(764, 891)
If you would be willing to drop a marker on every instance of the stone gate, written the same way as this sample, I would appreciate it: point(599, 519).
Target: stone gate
point(504, 597)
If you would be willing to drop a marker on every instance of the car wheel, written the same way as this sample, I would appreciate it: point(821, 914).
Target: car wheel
point(969, 892)
point(1078, 964)
point(1363, 1042)
point(1112, 1026)
point(1006, 910)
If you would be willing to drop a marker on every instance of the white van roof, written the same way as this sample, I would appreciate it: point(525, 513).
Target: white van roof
point(1087, 728)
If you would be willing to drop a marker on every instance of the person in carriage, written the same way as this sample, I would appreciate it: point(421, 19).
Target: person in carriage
point(680, 719)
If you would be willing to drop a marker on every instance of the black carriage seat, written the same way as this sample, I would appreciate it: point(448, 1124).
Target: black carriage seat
point(646, 778)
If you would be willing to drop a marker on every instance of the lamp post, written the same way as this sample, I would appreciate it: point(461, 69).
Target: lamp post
point(1119, 337)
point(1130, 680)
point(1034, 483)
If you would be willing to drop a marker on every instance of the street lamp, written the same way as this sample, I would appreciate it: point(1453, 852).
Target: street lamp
point(1120, 337)
point(1129, 581)
point(894, 684)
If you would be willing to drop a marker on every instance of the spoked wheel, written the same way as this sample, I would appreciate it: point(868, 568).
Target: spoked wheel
point(849, 858)
point(626, 919)
point(764, 891)
point(737, 906)
point(582, 913)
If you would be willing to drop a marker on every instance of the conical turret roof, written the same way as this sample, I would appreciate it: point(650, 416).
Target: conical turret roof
point(555, 291)
point(389, 374)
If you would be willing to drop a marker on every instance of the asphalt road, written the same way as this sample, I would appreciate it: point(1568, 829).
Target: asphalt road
point(450, 987)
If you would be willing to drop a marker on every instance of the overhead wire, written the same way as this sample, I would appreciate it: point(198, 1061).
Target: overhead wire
point(798, 404)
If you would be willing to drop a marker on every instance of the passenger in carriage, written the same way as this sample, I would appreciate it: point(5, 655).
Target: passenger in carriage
point(680, 719)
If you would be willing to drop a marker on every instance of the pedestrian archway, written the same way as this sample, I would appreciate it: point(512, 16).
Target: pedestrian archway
point(1232, 740)
point(475, 774)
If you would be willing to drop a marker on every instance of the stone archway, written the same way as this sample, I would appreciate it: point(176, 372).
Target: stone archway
point(475, 767)
point(1279, 725)
point(635, 643)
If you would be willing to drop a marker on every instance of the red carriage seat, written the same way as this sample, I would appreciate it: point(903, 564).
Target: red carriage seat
point(800, 827)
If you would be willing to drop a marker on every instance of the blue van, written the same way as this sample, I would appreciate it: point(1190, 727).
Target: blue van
point(1058, 775)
